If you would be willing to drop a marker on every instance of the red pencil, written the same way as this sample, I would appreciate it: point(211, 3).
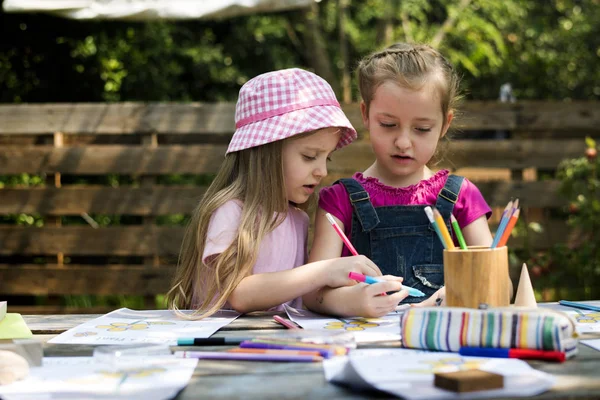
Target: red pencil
point(509, 227)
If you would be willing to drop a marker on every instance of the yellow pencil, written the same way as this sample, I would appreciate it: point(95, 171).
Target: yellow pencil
point(443, 229)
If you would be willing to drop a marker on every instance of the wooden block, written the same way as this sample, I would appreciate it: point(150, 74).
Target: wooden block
point(468, 381)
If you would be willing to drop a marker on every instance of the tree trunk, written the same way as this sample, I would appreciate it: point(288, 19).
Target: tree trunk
point(316, 50)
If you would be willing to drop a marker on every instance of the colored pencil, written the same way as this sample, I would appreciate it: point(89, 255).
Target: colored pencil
point(222, 355)
point(224, 341)
point(443, 229)
point(502, 225)
point(509, 228)
point(275, 351)
point(459, 235)
point(323, 352)
point(286, 322)
point(429, 213)
point(341, 234)
point(575, 304)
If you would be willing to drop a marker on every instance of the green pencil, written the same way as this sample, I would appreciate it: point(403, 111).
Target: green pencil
point(459, 236)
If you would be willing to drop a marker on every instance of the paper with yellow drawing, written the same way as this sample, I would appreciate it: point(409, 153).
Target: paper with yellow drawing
point(153, 378)
point(409, 373)
point(125, 326)
point(365, 330)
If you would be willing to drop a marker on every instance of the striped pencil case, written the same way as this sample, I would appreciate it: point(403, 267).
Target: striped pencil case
point(450, 328)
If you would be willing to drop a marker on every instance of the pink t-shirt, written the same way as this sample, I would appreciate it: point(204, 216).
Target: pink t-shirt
point(282, 249)
point(469, 206)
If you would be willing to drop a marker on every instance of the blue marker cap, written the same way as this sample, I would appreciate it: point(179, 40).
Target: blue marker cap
point(185, 342)
point(413, 291)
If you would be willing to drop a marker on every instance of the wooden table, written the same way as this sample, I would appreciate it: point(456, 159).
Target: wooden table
point(578, 378)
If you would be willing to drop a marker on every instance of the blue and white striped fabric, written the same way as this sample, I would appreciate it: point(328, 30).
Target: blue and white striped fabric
point(450, 328)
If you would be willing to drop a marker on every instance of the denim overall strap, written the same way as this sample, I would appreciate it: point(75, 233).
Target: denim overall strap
point(361, 202)
point(448, 196)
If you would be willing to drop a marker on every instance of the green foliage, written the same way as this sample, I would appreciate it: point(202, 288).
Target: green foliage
point(576, 264)
point(546, 49)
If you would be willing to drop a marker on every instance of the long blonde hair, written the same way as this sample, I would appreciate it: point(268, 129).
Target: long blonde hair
point(254, 177)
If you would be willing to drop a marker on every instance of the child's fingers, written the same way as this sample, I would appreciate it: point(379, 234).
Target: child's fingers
point(385, 286)
point(391, 278)
point(371, 268)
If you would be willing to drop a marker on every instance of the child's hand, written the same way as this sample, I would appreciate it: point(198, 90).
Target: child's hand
point(337, 269)
point(369, 301)
point(436, 299)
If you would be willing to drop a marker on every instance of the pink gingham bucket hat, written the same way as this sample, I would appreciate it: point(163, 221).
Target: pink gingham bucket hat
point(280, 104)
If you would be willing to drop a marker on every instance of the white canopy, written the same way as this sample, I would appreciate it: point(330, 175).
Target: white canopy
point(152, 9)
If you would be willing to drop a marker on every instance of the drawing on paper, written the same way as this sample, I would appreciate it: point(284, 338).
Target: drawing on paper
point(448, 364)
point(84, 334)
point(386, 328)
point(133, 326)
point(125, 326)
point(358, 324)
point(591, 318)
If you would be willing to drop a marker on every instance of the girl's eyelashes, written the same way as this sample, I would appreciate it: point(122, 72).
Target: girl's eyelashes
point(309, 158)
point(328, 158)
point(423, 129)
point(384, 125)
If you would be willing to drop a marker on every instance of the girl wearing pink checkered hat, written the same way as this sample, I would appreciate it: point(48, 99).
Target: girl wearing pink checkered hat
point(245, 247)
point(409, 92)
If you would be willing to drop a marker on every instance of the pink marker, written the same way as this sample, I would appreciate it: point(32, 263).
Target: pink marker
point(341, 234)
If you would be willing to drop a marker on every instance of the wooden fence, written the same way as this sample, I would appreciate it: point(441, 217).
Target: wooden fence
point(504, 148)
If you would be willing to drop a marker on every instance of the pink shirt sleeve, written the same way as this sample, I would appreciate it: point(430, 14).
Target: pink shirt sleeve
point(222, 229)
point(470, 204)
point(335, 200)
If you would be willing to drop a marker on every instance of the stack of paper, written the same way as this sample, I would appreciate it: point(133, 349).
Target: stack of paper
point(409, 373)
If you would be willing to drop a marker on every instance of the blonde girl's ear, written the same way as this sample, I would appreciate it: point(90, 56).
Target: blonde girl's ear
point(365, 114)
point(447, 123)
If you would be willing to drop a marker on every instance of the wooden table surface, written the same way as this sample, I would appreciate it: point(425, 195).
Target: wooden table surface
point(578, 378)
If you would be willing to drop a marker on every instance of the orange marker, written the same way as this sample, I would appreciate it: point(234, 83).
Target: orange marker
point(443, 229)
point(276, 351)
point(511, 224)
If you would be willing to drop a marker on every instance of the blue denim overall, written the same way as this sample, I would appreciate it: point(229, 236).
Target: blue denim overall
point(399, 239)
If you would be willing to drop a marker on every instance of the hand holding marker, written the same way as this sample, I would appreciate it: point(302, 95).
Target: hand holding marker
point(360, 277)
point(370, 280)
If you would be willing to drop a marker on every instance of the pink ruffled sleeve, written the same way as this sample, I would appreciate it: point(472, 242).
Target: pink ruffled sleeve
point(470, 204)
point(334, 200)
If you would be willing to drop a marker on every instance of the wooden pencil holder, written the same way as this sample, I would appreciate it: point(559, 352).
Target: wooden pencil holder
point(477, 276)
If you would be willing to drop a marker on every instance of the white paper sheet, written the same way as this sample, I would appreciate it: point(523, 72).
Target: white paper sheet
point(365, 330)
point(586, 321)
point(593, 343)
point(409, 373)
point(153, 378)
point(125, 326)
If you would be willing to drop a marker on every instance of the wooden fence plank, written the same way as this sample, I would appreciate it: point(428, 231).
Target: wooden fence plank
point(84, 279)
point(117, 118)
point(100, 160)
point(164, 241)
point(75, 200)
point(218, 118)
point(206, 159)
point(165, 200)
point(76, 240)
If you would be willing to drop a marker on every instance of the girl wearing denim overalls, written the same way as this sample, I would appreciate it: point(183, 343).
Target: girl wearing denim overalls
point(408, 94)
